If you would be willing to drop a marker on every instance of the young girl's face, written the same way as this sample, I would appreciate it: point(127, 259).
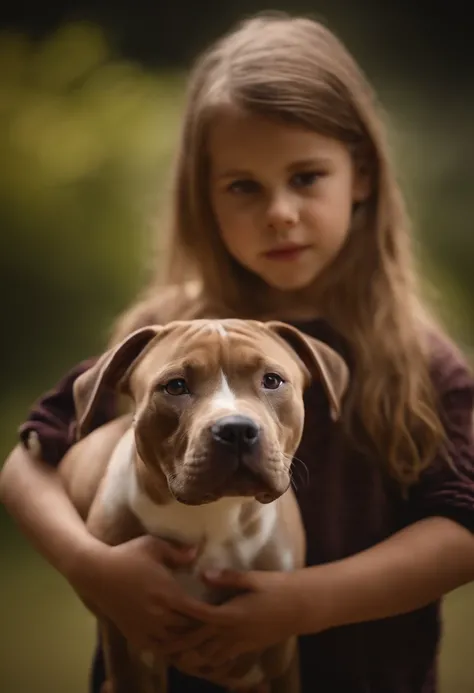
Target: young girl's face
point(282, 196)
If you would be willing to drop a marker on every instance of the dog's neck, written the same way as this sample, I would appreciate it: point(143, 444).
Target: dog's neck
point(220, 522)
point(225, 522)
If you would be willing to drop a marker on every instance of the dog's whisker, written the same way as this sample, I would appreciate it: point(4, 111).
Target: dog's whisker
point(295, 468)
point(293, 483)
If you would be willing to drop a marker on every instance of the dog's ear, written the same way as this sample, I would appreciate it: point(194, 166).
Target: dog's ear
point(107, 372)
point(321, 361)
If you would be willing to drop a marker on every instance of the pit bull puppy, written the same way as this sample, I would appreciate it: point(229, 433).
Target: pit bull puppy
point(205, 459)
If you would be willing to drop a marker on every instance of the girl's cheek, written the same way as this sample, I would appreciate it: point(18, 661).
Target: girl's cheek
point(240, 218)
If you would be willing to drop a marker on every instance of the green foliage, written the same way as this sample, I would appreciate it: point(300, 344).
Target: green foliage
point(430, 146)
point(85, 143)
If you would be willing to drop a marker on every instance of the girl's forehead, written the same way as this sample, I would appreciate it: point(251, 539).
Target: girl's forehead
point(237, 138)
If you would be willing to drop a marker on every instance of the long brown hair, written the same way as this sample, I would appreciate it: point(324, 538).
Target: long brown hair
point(297, 71)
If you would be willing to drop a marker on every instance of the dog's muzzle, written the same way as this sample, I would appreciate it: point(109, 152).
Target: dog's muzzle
point(232, 459)
point(237, 446)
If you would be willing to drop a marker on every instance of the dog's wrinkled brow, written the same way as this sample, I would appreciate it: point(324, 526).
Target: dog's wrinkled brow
point(246, 360)
point(234, 359)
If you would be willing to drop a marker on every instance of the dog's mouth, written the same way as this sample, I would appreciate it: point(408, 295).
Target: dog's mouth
point(212, 481)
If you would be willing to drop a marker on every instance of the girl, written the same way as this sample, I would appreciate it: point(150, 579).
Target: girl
point(286, 206)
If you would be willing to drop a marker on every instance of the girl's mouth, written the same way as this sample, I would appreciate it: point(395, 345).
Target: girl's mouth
point(287, 253)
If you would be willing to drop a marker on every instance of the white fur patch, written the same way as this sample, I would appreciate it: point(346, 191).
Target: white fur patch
point(287, 560)
point(220, 329)
point(120, 475)
point(216, 525)
point(188, 523)
point(215, 326)
point(224, 398)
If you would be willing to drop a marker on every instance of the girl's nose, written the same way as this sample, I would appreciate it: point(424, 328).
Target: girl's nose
point(282, 214)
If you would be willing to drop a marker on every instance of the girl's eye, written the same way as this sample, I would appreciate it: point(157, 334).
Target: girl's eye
point(176, 387)
point(305, 179)
point(243, 187)
point(272, 381)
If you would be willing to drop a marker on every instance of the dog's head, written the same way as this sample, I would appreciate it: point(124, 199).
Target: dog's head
point(218, 404)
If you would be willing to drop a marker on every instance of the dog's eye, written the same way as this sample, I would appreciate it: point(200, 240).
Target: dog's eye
point(176, 387)
point(272, 381)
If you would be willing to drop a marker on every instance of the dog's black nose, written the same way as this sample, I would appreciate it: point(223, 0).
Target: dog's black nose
point(239, 433)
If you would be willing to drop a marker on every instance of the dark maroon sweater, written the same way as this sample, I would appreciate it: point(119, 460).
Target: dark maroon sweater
point(348, 505)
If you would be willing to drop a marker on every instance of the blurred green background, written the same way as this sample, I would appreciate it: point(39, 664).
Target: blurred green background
point(89, 115)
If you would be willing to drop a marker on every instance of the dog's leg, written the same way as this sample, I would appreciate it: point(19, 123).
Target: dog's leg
point(153, 680)
point(282, 664)
point(119, 670)
point(125, 671)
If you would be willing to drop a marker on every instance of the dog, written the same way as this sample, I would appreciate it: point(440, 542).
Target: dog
point(204, 458)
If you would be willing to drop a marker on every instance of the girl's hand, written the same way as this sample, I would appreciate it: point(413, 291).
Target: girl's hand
point(131, 585)
point(266, 614)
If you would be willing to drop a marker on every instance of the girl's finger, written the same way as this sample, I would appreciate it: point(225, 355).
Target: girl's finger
point(210, 648)
point(225, 652)
point(190, 641)
point(173, 620)
point(194, 609)
point(188, 662)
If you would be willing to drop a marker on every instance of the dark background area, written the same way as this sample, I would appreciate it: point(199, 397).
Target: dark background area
point(431, 41)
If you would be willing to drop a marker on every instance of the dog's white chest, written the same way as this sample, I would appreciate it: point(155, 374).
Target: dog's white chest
point(213, 522)
point(214, 526)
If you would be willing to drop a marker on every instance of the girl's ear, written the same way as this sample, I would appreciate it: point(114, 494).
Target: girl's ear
point(322, 363)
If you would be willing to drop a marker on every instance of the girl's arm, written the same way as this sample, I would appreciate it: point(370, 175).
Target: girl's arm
point(34, 496)
point(434, 553)
point(30, 487)
point(411, 569)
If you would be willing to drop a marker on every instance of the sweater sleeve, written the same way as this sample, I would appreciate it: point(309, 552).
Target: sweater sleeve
point(446, 488)
point(49, 430)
